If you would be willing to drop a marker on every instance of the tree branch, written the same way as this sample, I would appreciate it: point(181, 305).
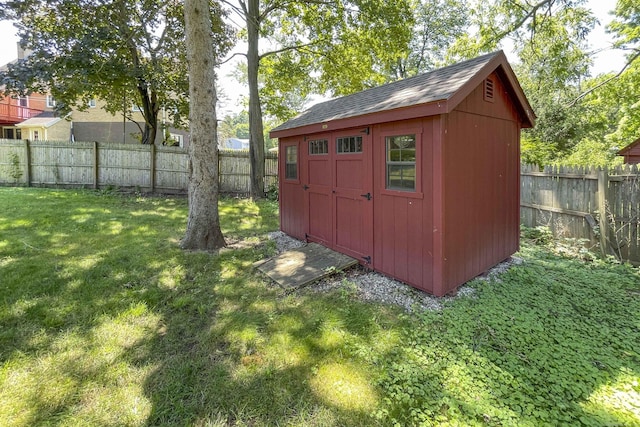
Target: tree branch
point(232, 56)
point(599, 85)
point(286, 49)
point(520, 22)
point(240, 10)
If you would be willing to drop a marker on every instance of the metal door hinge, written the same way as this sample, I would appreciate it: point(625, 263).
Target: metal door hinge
point(366, 196)
point(367, 259)
point(305, 187)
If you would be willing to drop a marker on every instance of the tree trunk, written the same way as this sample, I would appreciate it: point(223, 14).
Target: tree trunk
point(150, 111)
point(256, 129)
point(203, 225)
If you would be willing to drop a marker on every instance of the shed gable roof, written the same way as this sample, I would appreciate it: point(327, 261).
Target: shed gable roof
point(452, 83)
point(629, 148)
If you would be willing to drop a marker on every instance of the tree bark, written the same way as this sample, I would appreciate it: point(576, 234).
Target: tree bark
point(203, 225)
point(150, 111)
point(256, 129)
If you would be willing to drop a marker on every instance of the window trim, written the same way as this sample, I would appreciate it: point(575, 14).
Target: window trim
point(51, 102)
point(177, 137)
point(416, 193)
point(347, 153)
point(316, 140)
point(285, 149)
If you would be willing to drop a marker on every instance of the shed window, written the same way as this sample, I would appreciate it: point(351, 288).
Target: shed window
point(401, 162)
point(319, 146)
point(291, 162)
point(349, 144)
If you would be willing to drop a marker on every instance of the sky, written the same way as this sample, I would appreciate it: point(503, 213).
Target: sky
point(606, 61)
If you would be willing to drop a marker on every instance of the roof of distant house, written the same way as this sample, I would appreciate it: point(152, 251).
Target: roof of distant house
point(45, 119)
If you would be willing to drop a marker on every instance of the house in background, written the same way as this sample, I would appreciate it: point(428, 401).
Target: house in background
point(17, 109)
point(235, 144)
point(93, 124)
point(97, 124)
point(631, 153)
point(33, 117)
point(418, 179)
point(46, 126)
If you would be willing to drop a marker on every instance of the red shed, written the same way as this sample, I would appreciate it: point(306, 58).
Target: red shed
point(631, 152)
point(417, 179)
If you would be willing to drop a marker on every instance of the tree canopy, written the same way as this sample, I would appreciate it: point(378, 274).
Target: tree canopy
point(336, 46)
point(129, 53)
point(132, 52)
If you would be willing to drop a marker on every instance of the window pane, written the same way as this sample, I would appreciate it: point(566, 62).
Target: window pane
point(320, 146)
point(394, 176)
point(401, 177)
point(292, 154)
point(291, 171)
point(291, 162)
point(401, 162)
point(349, 144)
point(401, 148)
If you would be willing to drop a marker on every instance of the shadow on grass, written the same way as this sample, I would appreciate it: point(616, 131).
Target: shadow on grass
point(104, 321)
point(262, 358)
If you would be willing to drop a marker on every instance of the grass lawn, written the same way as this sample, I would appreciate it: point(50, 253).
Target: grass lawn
point(105, 321)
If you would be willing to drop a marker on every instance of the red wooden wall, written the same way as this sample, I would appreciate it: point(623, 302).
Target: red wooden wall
point(403, 221)
point(463, 217)
point(481, 192)
point(291, 193)
point(632, 155)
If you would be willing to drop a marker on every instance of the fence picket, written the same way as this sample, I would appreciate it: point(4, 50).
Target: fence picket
point(571, 201)
point(599, 206)
point(97, 165)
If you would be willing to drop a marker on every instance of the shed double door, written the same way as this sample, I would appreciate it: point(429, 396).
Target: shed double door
point(338, 183)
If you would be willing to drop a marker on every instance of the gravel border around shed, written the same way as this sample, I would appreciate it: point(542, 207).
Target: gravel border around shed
point(375, 287)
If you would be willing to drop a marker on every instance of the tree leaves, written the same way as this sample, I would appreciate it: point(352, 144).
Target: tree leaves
point(124, 52)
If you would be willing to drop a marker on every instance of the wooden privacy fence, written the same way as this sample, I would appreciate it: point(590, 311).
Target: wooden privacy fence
point(599, 206)
point(98, 165)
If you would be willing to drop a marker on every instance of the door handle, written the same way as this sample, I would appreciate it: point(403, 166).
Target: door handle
point(366, 196)
point(305, 186)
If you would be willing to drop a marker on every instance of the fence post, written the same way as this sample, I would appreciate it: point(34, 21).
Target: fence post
point(95, 165)
point(603, 196)
point(152, 168)
point(27, 162)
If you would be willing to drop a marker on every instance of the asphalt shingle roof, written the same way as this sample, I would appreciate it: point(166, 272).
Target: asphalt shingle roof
point(436, 85)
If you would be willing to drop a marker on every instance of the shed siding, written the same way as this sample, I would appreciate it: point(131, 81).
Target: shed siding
point(632, 159)
point(403, 247)
point(631, 153)
point(481, 191)
point(501, 108)
point(291, 195)
point(632, 156)
point(463, 216)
